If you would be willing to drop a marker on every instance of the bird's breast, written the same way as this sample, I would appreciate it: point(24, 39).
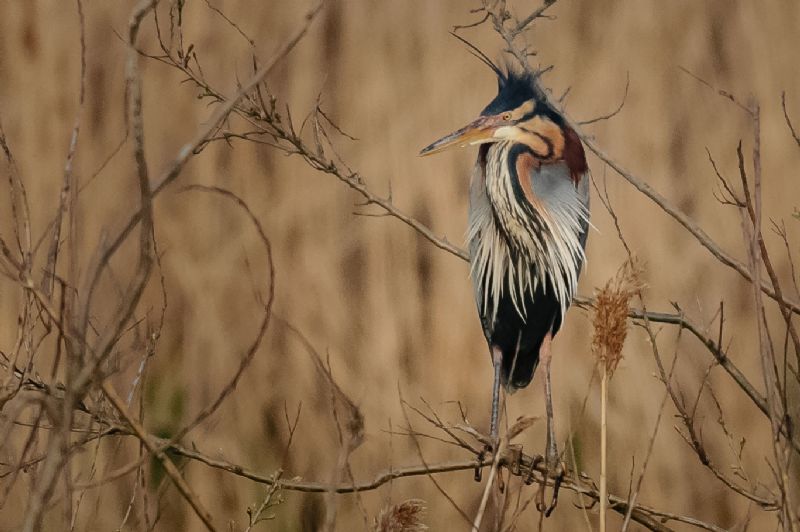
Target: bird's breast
point(528, 221)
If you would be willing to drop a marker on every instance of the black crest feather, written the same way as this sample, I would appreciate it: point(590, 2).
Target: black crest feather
point(474, 50)
point(514, 86)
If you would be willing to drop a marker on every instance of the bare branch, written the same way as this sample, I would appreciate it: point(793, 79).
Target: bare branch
point(169, 467)
point(67, 198)
point(250, 353)
point(795, 136)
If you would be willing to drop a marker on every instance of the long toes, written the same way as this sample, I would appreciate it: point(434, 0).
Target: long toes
point(488, 450)
point(557, 470)
point(479, 468)
point(536, 460)
point(557, 475)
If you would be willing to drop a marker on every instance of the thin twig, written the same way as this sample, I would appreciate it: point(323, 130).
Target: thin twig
point(651, 444)
point(795, 136)
point(252, 349)
point(169, 467)
point(616, 111)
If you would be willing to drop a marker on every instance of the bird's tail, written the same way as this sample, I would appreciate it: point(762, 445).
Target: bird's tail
point(518, 371)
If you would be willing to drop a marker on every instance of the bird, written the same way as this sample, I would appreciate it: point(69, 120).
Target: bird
point(527, 229)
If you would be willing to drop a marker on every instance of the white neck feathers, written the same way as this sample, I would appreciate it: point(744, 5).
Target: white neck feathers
point(518, 245)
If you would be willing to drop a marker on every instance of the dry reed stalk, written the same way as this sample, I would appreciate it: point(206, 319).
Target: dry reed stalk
point(603, 447)
point(610, 329)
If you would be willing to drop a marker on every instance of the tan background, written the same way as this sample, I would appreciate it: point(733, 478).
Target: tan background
point(392, 311)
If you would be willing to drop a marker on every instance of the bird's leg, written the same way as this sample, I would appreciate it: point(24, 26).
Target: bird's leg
point(493, 445)
point(497, 362)
point(555, 469)
point(551, 453)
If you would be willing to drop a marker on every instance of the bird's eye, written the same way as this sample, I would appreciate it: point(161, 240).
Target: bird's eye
point(506, 116)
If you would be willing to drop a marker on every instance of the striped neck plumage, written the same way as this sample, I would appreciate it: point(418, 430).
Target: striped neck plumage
point(518, 244)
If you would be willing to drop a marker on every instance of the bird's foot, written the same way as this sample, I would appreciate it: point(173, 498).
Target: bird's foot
point(479, 466)
point(488, 450)
point(535, 461)
point(556, 470)
point(491, 445)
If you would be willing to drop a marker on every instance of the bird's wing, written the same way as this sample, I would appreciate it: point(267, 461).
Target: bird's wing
point(563, 204)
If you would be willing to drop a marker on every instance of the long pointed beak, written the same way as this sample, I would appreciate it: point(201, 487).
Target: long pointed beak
point(479, 131)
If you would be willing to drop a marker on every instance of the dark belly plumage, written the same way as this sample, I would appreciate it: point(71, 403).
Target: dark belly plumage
point(520, 338)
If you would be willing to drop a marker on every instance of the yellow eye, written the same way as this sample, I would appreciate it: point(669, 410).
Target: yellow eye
point(506, 116)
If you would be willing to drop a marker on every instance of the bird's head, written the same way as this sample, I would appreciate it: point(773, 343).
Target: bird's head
point(519, 114)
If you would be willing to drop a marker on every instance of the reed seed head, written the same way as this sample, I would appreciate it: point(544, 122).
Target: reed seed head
point(611, 314)
point(403, 517)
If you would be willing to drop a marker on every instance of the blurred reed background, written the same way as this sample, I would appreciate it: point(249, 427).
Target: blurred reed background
point(393, 313)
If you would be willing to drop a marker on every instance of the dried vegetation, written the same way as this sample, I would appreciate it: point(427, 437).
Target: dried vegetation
point(224, 269)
